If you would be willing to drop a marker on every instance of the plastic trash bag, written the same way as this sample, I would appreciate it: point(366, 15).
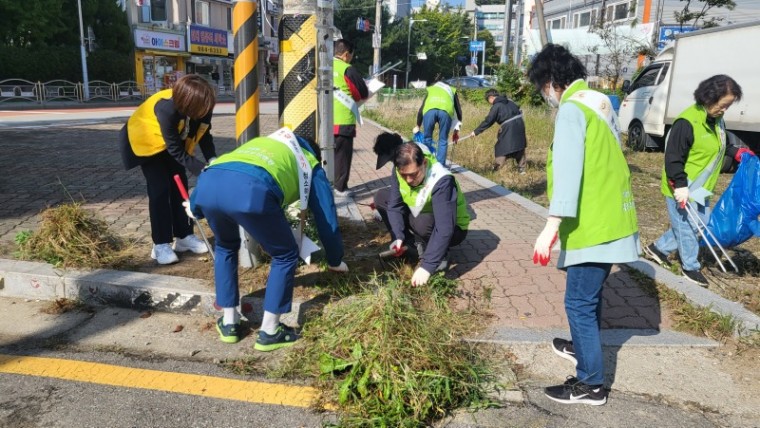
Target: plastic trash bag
point(734, 217)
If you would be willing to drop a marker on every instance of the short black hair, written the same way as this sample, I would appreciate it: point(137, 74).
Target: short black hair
point(342, 46)
point(491, 93)
point(555, 64)
point(711, 90)
point(407, 153)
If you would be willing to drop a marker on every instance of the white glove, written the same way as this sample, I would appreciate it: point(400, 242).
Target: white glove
point(458, 126)
point(210, 161)
point(397, 247)
point(681, 196)
point(189, 213)
point(472, 134)
point(415, 130)
point(341, 268)
point(420, 277)
point(545, 241)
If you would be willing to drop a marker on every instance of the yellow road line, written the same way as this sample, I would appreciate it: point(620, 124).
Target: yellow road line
point(180, 383)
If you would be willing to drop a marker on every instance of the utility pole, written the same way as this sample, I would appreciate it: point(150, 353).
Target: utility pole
point(541, 22)
point(507, 31)
point(518, 30)
point(325, 53)
point(376, 37)
point(82, 51)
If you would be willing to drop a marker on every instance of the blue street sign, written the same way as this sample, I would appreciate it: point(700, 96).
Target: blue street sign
point(477, 45)
point(669, 32)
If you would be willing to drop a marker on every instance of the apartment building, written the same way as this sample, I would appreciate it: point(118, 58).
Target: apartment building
point(174, 37)
point(491, 17)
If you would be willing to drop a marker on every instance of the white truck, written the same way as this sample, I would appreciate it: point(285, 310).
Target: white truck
point(666, 86)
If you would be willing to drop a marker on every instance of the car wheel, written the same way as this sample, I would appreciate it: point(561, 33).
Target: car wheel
point(638, 139)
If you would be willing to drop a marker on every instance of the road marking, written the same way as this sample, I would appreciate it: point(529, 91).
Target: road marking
point(180, 383)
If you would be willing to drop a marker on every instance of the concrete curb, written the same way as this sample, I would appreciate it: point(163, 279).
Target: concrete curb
point(696, 295)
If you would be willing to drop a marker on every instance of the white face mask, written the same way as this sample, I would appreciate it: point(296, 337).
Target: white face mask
point(551, 99)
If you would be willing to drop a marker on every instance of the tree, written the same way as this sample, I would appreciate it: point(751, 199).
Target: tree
point(686, 15)
point(621, 49)
point(346, 13)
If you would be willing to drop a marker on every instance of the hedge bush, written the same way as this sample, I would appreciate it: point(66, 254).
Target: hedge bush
point(53, 63)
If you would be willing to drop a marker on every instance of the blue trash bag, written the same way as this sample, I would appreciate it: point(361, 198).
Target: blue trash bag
point(734, 217)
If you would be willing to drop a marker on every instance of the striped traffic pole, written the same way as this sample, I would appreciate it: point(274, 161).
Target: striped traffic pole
point(246, 82)
point(297, 102)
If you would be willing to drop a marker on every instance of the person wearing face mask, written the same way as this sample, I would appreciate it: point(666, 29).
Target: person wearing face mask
point(591, 211)
point(694, 153)
point(423, 208)
point(160, 137)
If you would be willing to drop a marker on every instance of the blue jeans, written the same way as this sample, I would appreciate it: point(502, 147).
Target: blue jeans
point(583, 305)
point(444, 125)
point(683, 235)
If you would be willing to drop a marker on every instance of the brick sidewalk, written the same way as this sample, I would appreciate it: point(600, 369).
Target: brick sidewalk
point(494, 262)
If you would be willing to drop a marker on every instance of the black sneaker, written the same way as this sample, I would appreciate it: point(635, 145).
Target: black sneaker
point(574, 391)
point(656, 255)
point(696, 277)
point(564, 348)
point(284, 336)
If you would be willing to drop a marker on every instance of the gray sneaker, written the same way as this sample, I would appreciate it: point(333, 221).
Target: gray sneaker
point(696, 277)
point(656, 255)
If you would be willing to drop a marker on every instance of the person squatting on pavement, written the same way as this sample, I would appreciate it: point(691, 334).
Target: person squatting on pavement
point(439, 106)
point(694, 153)
point(510, 140)
point(349, 89)
point(250, 187)
point(160, 137)
point(424, 208)
point(591, 210)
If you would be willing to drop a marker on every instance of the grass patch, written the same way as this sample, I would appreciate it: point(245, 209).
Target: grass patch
point(391, 355)
point(71, 237)
point(63, 305)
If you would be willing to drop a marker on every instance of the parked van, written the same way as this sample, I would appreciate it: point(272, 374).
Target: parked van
point(666, 87)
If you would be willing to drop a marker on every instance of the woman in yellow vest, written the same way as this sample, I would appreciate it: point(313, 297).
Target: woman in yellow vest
point(160, 137)
point(591, 210)
point(694, 153)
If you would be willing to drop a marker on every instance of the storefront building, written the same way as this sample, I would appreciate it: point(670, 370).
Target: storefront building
point(160, 58)
point(209, 56)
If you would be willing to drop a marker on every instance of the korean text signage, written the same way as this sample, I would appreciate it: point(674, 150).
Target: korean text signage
point(477, 46)
point(669, 32)
point(208, 41)
point(145, 39)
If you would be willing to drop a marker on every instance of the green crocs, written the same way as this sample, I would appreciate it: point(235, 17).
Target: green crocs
point(283, 337)
point(228, 333)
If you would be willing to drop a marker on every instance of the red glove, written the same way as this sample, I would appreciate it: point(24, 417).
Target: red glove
point(455, 137)
point(741, 151)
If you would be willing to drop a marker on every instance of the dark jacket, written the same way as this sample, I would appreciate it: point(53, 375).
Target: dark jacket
point(511, 136)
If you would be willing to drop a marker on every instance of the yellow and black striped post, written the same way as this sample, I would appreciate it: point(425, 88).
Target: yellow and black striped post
point(297, 102)
point(246, 72)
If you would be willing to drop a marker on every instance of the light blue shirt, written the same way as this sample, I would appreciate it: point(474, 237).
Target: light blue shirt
point(569, 149)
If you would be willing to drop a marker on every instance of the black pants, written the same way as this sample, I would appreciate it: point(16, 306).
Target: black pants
point(167, 215)
point(416, 229)
point(518, 156)
point(344, 154)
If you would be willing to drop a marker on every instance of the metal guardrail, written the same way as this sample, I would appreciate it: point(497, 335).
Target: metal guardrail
point(63, 90)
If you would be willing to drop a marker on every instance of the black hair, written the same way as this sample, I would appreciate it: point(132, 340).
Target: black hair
point(555, 64)
point(711, 90)
point(342, 46)
point(491, 93)
point(387, 143)
point(407, 153)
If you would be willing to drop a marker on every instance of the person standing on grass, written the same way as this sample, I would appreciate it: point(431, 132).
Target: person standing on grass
point(250, 187)
point(424, 208)
point(591, 210)
point(350, 88)
point(161, 137)
point(510, 140)
point(439, 106)
point(694, 153)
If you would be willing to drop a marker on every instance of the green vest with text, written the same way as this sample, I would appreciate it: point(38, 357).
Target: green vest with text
point(342, 115)
point(276, 158)
point(409, 195)
point(606, 210)
point(705, 150)
point(439, 98)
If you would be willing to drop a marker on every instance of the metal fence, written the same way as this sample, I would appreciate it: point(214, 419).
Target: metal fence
point(13, 90)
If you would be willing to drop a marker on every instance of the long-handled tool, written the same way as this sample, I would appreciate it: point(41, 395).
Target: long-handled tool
point(186, 197)
point(702, 228)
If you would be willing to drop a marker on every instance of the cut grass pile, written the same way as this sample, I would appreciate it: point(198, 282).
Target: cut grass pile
point(71, 237)
point(392, 355)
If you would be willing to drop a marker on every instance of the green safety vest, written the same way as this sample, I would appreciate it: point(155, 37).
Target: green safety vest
point(439, 98)
point(276, 158)
point(606, 210)
point(707, 148)
point(409, 194)
point(342, 115)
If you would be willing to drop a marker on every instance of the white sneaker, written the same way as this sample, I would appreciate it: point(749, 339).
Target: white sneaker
point(163, 254)
point(190, 243)
point(344, 194)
